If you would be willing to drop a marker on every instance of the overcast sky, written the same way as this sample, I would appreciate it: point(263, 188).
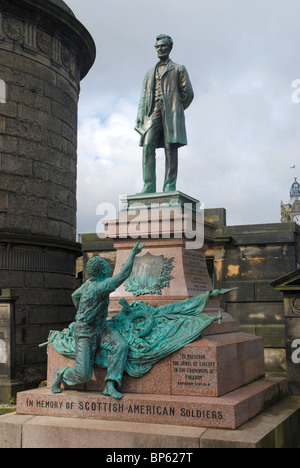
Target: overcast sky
point(243, 127)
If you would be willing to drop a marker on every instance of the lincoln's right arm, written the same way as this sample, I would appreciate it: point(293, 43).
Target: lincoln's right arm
point(141, 109)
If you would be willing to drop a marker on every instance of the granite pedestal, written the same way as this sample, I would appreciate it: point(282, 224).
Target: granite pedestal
point(277, 427)
point(211, 387)
point(171, 226)
point(211, 366)
point(217, 382)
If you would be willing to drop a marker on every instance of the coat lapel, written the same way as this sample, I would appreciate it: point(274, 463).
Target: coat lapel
point(169, 67)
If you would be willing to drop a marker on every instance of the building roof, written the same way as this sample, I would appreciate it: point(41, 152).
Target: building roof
point(61, 14)
point(62, 5)
point(288, 282)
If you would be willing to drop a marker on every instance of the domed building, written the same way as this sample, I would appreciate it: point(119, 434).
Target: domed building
point(44, 54)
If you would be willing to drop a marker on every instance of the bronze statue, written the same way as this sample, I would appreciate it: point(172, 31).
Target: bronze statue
point(166, 93)
point(91, 332)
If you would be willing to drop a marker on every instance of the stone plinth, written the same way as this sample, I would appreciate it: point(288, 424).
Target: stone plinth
point(172, 227)
point(228, 412)
point(215, 382)
point(276, 427)
point(211, 366)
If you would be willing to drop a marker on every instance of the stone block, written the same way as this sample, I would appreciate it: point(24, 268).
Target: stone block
point(2, 124)
point(264, 292)
point(9, 110)
point(11, 427)
point(59, 281)
point(27, 205)
point(49, 432)
point(275, 360)
point(218, 364)
point(292, 328)
point(33, 279)
point(277, 427)
point(211, 366)
point(257, 313)
point(15, 164)
point(273, 335)
point(245, 293)
point(3, 201)
point(229, 411)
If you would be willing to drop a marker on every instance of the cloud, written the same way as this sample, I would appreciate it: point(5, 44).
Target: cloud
point(109, 162)
point(243, 128)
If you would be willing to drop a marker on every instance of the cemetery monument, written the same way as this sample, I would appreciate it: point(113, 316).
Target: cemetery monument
point(177, 358)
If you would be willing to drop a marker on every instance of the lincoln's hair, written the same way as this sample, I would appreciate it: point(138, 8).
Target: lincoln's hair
point(96, 266)
point(164, 36)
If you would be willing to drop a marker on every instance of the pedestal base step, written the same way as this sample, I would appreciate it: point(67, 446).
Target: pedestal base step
point(229, 411)
point(277, 427)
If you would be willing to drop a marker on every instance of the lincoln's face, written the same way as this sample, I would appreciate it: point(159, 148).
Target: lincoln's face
point(163, 49)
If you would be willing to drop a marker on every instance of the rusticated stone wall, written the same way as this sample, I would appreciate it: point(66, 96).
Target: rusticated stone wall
point(38, 129)
point(251, 257)
point(44, 53)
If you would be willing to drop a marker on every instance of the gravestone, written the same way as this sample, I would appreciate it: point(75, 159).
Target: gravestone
point(9, 386)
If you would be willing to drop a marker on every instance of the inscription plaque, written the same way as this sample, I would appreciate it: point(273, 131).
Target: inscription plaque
point(150, 275)
point(196, 273)
point(194, 372)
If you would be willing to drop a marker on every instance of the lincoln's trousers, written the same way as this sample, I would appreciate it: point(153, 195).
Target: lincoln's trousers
point(149, 153)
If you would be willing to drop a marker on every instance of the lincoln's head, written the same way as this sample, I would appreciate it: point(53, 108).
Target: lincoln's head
point(164, 45)
point(98, 268)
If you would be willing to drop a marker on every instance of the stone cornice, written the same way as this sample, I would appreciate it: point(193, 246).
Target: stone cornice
point(50, 13)
point(25, 239)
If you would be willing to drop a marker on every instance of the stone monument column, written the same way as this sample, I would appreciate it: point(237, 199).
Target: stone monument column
point(44, 54)
point(173, 267)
